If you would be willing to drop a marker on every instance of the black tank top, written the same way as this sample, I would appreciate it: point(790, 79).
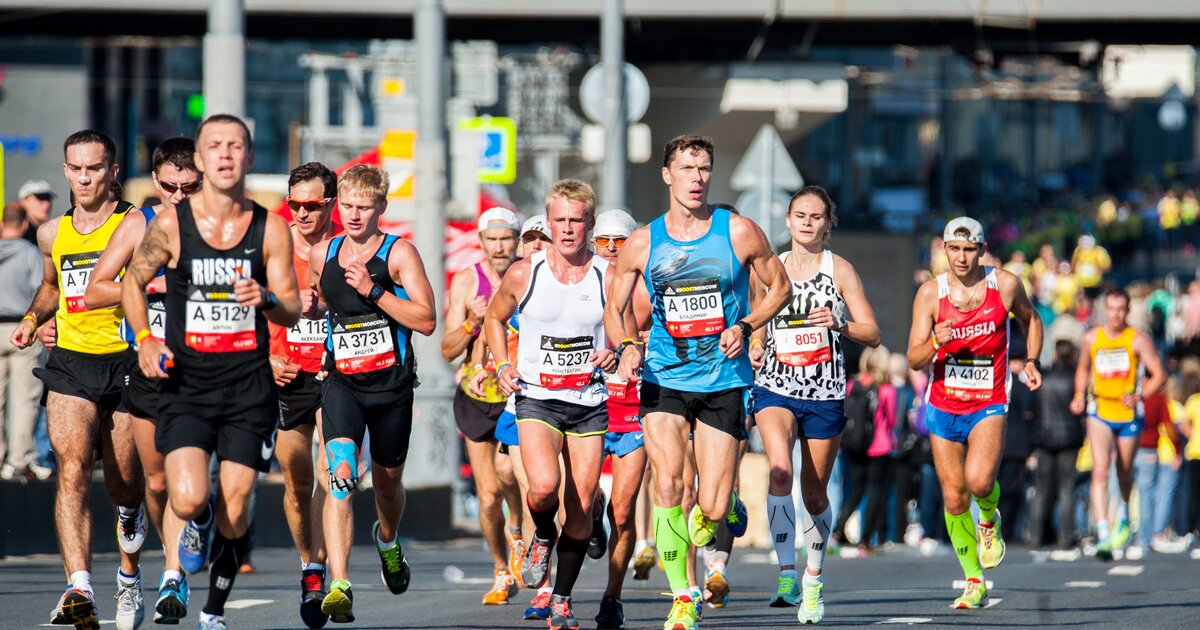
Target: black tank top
point(366, 349)
point(215, 341)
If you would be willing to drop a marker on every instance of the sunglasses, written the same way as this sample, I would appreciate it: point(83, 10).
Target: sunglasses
point(187, 189)
point(43, 196)
point(532, 236)
point(603, 241)
point(311, 205)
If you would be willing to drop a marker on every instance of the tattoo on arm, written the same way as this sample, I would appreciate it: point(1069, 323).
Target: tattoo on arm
point(152, 255)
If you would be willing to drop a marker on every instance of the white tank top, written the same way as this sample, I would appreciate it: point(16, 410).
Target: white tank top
point(561, 326)
point(806, 362)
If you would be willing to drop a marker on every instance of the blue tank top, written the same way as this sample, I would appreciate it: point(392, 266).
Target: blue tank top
point(697, 289)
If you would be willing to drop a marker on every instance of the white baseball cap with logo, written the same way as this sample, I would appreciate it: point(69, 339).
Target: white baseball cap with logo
point(35, 187)
point(614, 223)
point(972, 227)
point(536, 223)
point(498, 218)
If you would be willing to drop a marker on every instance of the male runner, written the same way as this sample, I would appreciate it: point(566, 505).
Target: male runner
point(296, 360)
point(1112, 359)
point(559, 295)
point(175, 178)
point(960, 328)
point(476, 416)
point(377, 295)
point(222, 251)
point(800, 390)
point(696, 262)
point(83, 379)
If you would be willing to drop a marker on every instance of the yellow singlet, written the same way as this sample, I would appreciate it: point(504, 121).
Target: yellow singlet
point(1114, 374)
point(75, 255)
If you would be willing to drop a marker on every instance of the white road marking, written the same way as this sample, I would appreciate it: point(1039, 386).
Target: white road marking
point(1084, 584)
point(904, 620)
point(993, 601)
point(102, 622)
point(246, 603)
point(960, 584)
point(1129, 570)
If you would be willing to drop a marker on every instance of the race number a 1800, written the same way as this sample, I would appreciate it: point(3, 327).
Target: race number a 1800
point(693, 308)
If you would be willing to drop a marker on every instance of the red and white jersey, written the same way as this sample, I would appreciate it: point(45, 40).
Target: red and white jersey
point(970, 372)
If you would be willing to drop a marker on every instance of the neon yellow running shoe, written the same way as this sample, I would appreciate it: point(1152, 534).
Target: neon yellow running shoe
point(683, 615)
point(339, 603)
point(700, 529)
point(1120, 535)
point(975, 595)
point(644, 562)
point(812, 603)
point(991, 544)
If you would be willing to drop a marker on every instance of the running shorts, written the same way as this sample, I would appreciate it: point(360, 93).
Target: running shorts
point(236, 421)
point(724, 411)
point(815, 419)
point(140, 394)
point(622, 444)
point(476, 419)
point(957, 428)
point(1127, 429)
point(350, 413)
point(96, 378)
point(564, 417)
point(299, 401)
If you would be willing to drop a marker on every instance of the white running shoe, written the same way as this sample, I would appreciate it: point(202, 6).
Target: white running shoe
point(131, 606)
point(131, 528)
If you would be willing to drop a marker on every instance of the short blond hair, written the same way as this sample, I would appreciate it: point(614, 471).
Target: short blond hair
point(874, 361)
point(572, 190)
point(365, 179)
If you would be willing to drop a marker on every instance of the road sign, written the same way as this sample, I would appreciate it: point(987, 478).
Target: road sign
point(497, 148)
point(767, 159)
point(637, 94)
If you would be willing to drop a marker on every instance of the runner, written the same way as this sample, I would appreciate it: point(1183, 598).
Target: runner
point(377, 295)
point(477, 415)
point(800, 390)
point(83, 379)
point(624, 439)
point(559, 295)
point(296, 361)
point(175, 178)
point(696, 261)
point(960, 328)
point(222, 252)
point(1112, 359)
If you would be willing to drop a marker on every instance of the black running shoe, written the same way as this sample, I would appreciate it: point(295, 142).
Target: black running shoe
point(312, 593)
point(612, 614)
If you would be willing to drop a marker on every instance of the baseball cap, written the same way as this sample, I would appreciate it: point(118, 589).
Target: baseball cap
point(498, 218)
point(35, 187)
point(973, 228)
point(616, 223)
point(536, 223)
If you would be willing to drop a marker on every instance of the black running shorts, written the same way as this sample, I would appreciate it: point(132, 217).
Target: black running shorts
point(349, 413)
point(140, 394)
point(236, 421)
point(724, 410)
point(564, 417)
point(97, 378)
point(299, 401)
point(475, 418)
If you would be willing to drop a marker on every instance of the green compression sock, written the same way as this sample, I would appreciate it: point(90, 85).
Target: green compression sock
point(961, 529)
point(987, 505)
point(670, 534)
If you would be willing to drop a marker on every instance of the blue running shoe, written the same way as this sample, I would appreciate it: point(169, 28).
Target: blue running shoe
point(172, 601)
point(736, 521)
point(539, 608)
point(194, 541)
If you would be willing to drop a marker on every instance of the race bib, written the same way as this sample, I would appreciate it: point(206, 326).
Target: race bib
point(215, 322)
point(75, 271)
point(694, 308)
point(362, 344)
point(156, 306)
point(564, 362)
point(307, 338)
point(800, 345)
point(969, 379)
point(1113, 363)
point(617, 389)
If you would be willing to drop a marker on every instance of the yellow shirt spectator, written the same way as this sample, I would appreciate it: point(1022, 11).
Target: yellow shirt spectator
point(1090, 263)
point(1192, 408)
point(1168, 212)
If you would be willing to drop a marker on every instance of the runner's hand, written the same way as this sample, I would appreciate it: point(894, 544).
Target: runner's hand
point(943, 332)
point(150, 354)
point(157, 285)
point(308, 303)
point(823, 317)
point(629, 364)
point(476, 311)
point(23, 334)
point(756, 353)
point(248, 292)
point(475, 385)
point(359, 278)
point(731, 342)
point(604, 359)
point(1033, 377)
point(283, 369)
point(1077, 405)
point(48, 333)
point(508, 380)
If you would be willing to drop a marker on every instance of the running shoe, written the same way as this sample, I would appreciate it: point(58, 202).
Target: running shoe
point(131, 528)
point(312, 594)
point(131, 605)
point(683, 615)
point(812, 604)
point(716, 588)
point(194, 541)
point(736, 521)
point(560, 612)
point(697, 597)
point(991, 543)
point(598, 544)
point(77, 607)
point(395, 572)
point(1120, 535)
point(643, 562)
point(1104, 550)
point(504, 587)
point(788, 592)
point(537, 562)
point(612, 614)
point(539, 607)
point(339, 603)
point(700, 529)
point(516, 555)
point(172, 601)
point(975, 595)
point(212, 622)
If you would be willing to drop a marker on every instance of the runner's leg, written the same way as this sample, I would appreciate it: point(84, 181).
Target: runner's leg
point(73, 426)
point(627, 481)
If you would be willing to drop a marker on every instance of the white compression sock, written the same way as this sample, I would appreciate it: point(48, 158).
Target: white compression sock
point(816, 536)
point(781, 515)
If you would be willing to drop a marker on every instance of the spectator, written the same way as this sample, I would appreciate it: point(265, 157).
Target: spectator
point(1022, 413)
point(1169, 219)
point(35, 198)
point(870, 473)
point(1189, 212)
point(908, 441)
point(1066, 289)
point(1044, 269)
point(1156, 470)
point(20, 276)
point(1017, 266)
point(1189, 372)
point(1090, 262)
point(1057, 437)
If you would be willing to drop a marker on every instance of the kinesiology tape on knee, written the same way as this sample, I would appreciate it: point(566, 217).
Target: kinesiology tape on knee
point(343, 469)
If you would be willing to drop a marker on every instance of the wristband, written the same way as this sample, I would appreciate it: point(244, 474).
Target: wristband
point(933, 340)
point(271, 302)
point(500, 368)
point(31, 317)
point(141, 336)
point(467, 328)
point(1037, 364)
point(1077, 396)
point(756, 340)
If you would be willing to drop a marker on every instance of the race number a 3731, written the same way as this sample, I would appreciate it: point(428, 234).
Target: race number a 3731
point(362, 344)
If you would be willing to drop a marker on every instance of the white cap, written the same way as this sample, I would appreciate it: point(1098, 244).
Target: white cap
point(536, 223)
point(35, 187)
point(614, 223)
point(498, 218)
point(973, 228)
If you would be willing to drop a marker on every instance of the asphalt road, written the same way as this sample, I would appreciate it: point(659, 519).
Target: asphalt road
point(895, 587)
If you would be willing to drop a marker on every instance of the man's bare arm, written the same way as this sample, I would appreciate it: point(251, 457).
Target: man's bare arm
point(104, 291)
point(501, 308)
point(1022, 308)
point(624, 280)
point(767, 266)
point(281, 276)
point(417, 312)
point(456, 339)
point(920, 346)
point(1143, 347)
point(153, 254)
point(45, 301)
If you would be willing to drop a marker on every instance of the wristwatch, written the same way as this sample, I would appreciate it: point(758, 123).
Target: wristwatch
point(623, 345)
point(746, 328)
point(376, 293)
point(1037, 364)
